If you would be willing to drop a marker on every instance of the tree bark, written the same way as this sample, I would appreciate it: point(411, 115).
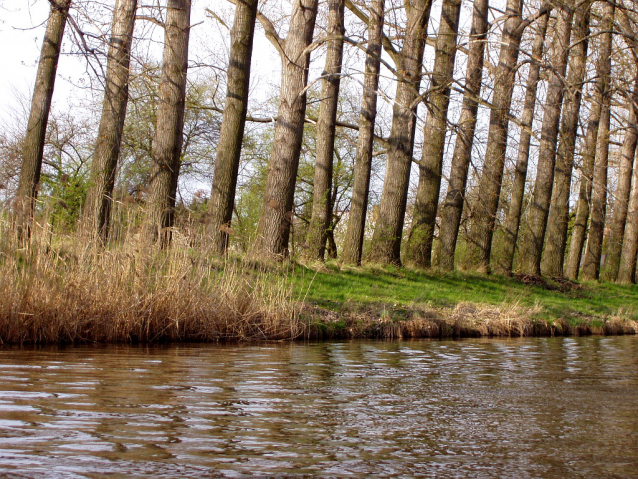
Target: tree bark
point(222, 197)
point(353, 245)
point(513, 218)
point(484, 214)
point(419, 245)
point(534, 233)
point(33, 148)
point(326, 124)
point(97, 210)
point(167, 144)
point(628, 256)
point(623, 191)
point(273, 230)
point(388, 231)
point(453, 205)
point(603, 72)
point(554, 254)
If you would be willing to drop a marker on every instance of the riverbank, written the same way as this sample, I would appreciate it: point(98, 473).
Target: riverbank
point(72, 292)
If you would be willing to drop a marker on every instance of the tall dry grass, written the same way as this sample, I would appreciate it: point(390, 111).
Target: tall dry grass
point(63, 289)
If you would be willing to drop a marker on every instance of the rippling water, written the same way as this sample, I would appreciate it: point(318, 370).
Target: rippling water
point(554, 407)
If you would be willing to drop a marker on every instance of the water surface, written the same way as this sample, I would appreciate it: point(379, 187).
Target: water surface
point(543, 408)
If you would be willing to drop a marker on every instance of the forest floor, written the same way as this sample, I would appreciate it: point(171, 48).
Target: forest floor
point(375, 301)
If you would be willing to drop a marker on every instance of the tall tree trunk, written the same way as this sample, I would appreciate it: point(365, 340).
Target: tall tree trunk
point(628, 256)
point(326, 125)
point(554, 255)
point(353, 245)
point(534, 234)
point(388, 231)
point(453, 205)
point(593, 253)
point(513, 217)
point(167, 144)
point(97, 210)
point(273, 230)
point(222, 196)
point(590, 149)
point(419, 245)
point(484, 214)
point(33, 148)
point(623, 190)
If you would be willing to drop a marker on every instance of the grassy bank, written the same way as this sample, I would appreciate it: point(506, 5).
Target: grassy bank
point(64, 290)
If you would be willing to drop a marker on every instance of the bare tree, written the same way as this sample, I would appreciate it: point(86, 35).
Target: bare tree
point(419, 246)
point(167, 144)
point(388, 231)
point(353, 245)
point(326, 125)
point(222, 197)
point(513, 217)
point(33, 145)
point(97, 210)
point(453, 205)
point(534, 234)
point(554, 254)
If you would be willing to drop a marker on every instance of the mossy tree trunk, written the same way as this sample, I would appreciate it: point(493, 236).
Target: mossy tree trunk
point(97, 210)
point(222, 197)
point(167, 144)
point(388, 231)
point(419, 245)
point(321, 217)
point(454, 199)
point(33, 147)
point(353, 245)
point(273, 229)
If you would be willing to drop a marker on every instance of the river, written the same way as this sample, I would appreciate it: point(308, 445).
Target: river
point(484, 408)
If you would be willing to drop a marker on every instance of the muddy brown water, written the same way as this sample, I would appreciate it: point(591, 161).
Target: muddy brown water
point(543, 408)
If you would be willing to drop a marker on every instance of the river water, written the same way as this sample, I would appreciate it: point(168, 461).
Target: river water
point(544, 408)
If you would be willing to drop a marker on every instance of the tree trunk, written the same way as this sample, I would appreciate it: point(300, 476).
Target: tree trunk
point(593, 253)
point(222, 196)
point(167, 144)
point(484, 214)
point(326, 125)
point(603, 72)
point(627, 269)
point(33, 148)
point(388, 231)
point(621, 203)
point(353, 245)
point(419, 245)
point(513, 218)
point(97, 210)
point(554, 255)
point(453, 205)
point(534, 234)
point(273, 230)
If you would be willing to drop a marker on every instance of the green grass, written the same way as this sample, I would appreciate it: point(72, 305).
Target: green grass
point(331, 288)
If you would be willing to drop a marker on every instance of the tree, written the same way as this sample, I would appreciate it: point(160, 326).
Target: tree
point(534, 234)
point(97, 210)
point(513, 217)
point(273, 230)
point(388, 231)
point(453, 204)
point(419, 247)
point(353, 245)
point(33, 145)
point(326, 125)
point(222, 196)
point(554, 254)
point(167, 144)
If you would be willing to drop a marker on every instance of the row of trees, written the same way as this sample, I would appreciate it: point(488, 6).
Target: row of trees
point(575, 60)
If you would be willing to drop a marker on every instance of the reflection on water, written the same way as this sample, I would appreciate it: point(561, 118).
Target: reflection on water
point(554, 407)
